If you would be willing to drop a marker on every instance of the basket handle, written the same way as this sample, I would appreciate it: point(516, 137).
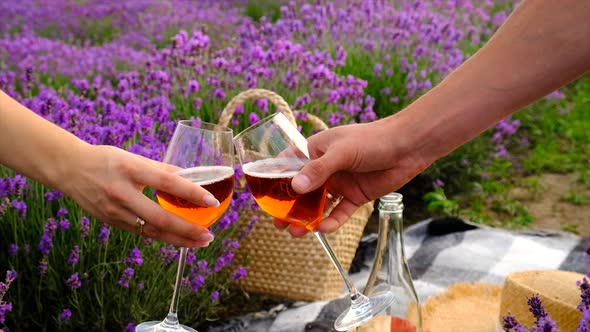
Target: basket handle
point(274, 98)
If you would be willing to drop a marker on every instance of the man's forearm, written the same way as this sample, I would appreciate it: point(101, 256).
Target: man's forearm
point(543, 45)
point(33, 146)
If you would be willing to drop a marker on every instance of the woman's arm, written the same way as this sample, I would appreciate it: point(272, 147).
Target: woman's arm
point(105, 181)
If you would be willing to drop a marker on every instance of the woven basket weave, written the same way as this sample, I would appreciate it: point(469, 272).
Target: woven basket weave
point(286, 267)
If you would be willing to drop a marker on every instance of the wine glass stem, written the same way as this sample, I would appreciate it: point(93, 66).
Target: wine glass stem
point(172, 317)
point(357, 298)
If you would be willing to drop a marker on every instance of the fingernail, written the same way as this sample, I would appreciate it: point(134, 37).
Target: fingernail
point(201, 244)
point(211, 201)
point(300, 182)
point(205, 238)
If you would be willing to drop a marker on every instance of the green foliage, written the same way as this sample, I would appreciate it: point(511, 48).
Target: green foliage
point(583, 178)
point(511, 211)
point(101, 304)
point(99, 31)
point(461, 169)
point(437, 201)
point(572, 228)
point(361, 64)
point(256, 9)
point(576, 198)
point(96, 31)
point(560, 132)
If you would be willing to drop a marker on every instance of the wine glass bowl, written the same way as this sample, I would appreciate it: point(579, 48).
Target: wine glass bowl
point(271, 153)
point(203, 153)
point(269, 181)
point(218, 180)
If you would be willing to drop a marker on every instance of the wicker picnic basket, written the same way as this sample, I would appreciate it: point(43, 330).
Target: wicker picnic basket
point(286, 267)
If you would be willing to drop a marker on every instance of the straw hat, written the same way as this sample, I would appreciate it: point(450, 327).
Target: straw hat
point(479, 307)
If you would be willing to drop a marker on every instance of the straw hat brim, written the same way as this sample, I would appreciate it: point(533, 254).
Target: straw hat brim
point(466, 307)
point(480, 307)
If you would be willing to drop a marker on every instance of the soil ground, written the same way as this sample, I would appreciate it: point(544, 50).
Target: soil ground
point(550, 210)
point(545, 202)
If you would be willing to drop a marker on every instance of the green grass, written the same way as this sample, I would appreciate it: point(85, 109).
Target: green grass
point(559, 143)
point(571, 228)
point(576, 198)
point(256, 9)
point(361, 64)
point(560, 140)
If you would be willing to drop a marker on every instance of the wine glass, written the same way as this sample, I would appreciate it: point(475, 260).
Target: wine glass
point(204, 154)
point(271, 152)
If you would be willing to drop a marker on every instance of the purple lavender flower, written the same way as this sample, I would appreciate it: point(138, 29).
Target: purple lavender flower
point(545, 324)
point(584, 286)
point(377, 69)
point(84, 227)
point(141, 285)
point(12, 249)
point(21, 207)
point(64, 224)
point(45, 244)
point(253, 118)
point(74, 257)
point(202, 265)
point(62, 212)
point(197, 283)
point(4, 308)
point(193, 86)
point(510, 324)
point(499, 18)
point(126, 277)
point(230, 244)
point(219, 93)
point(103, 236)
point(262, 105)
point(223, 261)
point(65, 315)
point(134, 258)
point(74, 281)
point(536, 307)
point(129, 328)
point(190, 256)
point(214, 296)
point(11, 276)
point(52, 195)
point(248, 229)
point(43, 265)
point(240, 273)
point(438, 183)
point(584, 325)
point(168, 254)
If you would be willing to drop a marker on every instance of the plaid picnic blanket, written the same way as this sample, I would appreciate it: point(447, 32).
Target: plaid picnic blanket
point(440, 252)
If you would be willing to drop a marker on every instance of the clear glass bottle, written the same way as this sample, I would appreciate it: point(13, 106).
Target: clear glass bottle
point(390, 271)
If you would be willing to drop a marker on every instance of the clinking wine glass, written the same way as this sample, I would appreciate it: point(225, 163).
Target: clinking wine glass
point(271, 152)
point(204, 154)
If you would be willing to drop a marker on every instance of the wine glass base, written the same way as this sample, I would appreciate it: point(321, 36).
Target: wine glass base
point(159, 326)
point(354, 317)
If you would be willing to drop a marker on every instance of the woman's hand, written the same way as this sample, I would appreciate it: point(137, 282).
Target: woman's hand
point(105, 181)
point(108, 182)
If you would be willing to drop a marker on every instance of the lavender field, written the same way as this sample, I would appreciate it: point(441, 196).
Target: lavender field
point(123, 73)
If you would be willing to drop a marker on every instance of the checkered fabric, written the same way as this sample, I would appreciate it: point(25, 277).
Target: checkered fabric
point(440, 252)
